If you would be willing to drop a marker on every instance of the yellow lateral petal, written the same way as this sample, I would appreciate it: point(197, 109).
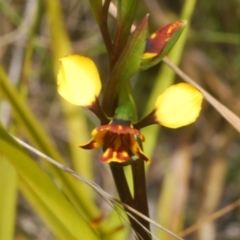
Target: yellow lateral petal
point(178, 105)
point(78, 80)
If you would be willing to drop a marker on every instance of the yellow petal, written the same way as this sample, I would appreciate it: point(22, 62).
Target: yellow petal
point(178, 105)
point(78, 80)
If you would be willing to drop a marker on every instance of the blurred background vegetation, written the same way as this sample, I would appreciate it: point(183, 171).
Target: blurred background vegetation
point(195, 170)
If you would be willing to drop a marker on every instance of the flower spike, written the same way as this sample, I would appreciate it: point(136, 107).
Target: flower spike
point(78, 80)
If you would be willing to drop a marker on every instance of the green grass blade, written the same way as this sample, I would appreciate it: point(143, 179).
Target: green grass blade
point(41, 184)
point(57, 228)
point(9, 11)
point(8, 198)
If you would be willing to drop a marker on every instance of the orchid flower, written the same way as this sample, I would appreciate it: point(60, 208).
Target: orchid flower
point(79, 83)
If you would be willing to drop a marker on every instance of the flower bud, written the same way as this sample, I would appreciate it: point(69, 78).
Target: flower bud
point(160, 43)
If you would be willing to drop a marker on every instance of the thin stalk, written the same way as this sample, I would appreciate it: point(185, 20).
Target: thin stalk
point(146, 121)
point(139, 202)
point(104, 28)
point(140, 197)
point(121, 183)
point(98, 111)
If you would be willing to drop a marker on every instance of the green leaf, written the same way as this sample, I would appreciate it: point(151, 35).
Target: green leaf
point(127, 65)
point(126, 15)
point(49, 217)
point(61, 44)
point(96, 7)
point(8, 198)
point(127, 11)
